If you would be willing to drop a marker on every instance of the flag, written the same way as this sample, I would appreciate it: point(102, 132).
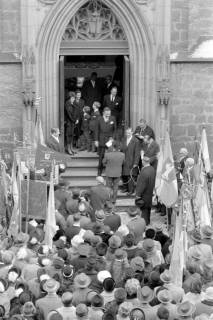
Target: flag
point(38, 133)
point(177, 258)
point(159, 172)
point(168, 188)
point(205, 151)
point(14, 220)
point(50, 225)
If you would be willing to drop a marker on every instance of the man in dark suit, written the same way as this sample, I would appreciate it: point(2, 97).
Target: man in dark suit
point(99, 194)
point(112, 219)
point(144, 189)
point(91, 90)
point(151, 150)
point(131, 148)
point(113, 160)
point(107, 85)
point(143, 129)
point(53, 141)
point(114, 103)
point(105, 131)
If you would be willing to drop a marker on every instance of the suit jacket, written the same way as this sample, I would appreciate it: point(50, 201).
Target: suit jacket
point(152, 152)
point(80, 105)
point(148, 130)
point(98, 196)
point(115, 106)
point(105, 130)
point(94, 120)
point(113, 161)
point(90, 93)
point(107, 89)
point(53, 144)
point(132, 154)
point(145, 185)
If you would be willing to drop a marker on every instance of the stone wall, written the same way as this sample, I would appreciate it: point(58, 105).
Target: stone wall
point(10, 103)
point(191, 104)
point(10, 26)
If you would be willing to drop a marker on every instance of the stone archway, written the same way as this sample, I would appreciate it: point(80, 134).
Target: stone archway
point(142, 59)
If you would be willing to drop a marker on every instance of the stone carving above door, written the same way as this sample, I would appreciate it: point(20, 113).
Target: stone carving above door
point(94, 21)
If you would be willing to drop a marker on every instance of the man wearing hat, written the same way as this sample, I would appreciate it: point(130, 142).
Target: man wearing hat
point(144, 189)
point(73, 229)
point(207, 235)
point(99, 194)
point(51, 301)
point(81, 284)
point(205, 249)
point(165, 298)
point(112, 219)
point(80, 261)
point(145, 296)
point(205, 306)
point(137, 224)
point(185, 310)
point(176, 293)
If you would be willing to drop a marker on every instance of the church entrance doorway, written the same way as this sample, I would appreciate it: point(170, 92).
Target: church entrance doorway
point(112, 71)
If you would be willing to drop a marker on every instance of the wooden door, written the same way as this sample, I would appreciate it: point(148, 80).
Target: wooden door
point(126, 91)
point(61, 100)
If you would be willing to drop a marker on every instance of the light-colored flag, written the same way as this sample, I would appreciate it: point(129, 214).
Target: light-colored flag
point(205, 151)
point(168, 190)
point(50, 225)
point(14, 220)
point(38, 133)
point(159, 172)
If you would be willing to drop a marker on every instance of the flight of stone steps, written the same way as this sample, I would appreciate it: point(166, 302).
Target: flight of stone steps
point(81, 173)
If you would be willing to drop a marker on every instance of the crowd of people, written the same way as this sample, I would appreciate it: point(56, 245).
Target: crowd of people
point(100, 268)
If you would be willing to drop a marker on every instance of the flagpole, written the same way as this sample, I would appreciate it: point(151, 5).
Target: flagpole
point(27, 197)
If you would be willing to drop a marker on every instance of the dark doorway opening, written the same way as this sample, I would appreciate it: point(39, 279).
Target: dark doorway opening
point(76, 70)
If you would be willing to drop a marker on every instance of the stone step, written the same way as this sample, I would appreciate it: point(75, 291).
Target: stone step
point(80, 172)
point(82, 163)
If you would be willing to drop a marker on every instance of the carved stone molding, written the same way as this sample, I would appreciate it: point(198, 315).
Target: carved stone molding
point(48, 2)
point(149, 3)
point(94, 21)
point(28, 63)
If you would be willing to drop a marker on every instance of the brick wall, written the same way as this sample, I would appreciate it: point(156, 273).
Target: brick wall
point(10, 103)
point(191, 104)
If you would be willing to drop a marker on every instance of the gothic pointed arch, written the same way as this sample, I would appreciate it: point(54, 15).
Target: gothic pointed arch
point(141, 52)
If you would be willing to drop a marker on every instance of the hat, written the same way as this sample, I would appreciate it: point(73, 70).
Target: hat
point(114, 242)
point(97, 228)
point(51, 286)
point(76, 240)
point(7, 257)
point(67, 297)
point(101, 249)
point(72, 206)
point(22, 238)
point(154, 276)
point(158, 227)
point(163, 313)
point(25, 297)
point(185, 309)
point(97, 301)
point(16, 270)
point(44, 261)
point(132, 211)
point(124, 310)
point(164, 296)
point(68, 271)
point(29, 309)
point(100, 215)
point(129, 273)
point(90, 295)
point(120, 254)
point(81, 310)
point(196, 253)
point(91, 261)
point(146, 159)
point(129, 240)
point(195, 235)
point(109, 284)
point(59, 244)
point(62, 253)
point(137, 264)
point(145, 294)
point(209, 294)
point(131, 286)
point(95, 240)
point(166, 276)
point(208, 264)
point(58, 263)
point(102, 275)
point(207, 232)
point(120, 294)
point(100, 180)
point(82, 280)
point(183, 151)
point(123, 230)
point(83, 249)
point(148, 245)
point(88, 235)
point(55, 315)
